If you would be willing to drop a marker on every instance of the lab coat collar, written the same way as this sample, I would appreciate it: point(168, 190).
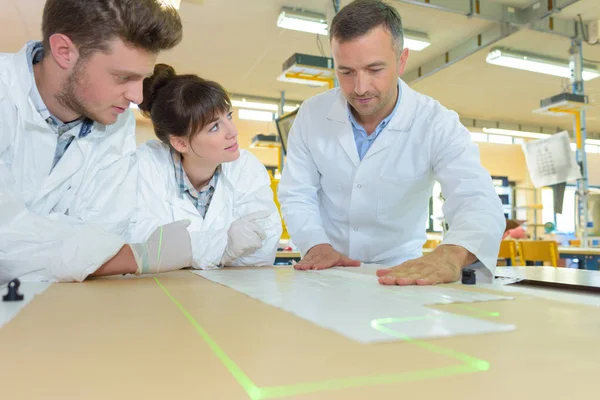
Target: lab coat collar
point(25, 83)
point(401, 121)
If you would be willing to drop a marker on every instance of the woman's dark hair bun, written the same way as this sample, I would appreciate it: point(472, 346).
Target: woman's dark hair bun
point(163, 73)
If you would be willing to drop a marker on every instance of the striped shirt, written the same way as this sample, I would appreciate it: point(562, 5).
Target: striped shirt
point(200, 199)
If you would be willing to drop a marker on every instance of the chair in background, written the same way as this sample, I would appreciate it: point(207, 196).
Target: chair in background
point(536, 252)
point(508, 252)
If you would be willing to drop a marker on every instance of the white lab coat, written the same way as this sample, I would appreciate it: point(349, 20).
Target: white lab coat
point(243, 188)
point(375, 210)
point(60, 225)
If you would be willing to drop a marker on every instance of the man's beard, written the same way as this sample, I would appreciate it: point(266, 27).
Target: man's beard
point(68, 98)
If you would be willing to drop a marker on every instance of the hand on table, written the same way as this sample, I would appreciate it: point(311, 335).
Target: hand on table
point(443, 265)
point(324, 256)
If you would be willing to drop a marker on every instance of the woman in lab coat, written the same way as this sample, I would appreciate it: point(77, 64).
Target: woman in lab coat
point(197, 172)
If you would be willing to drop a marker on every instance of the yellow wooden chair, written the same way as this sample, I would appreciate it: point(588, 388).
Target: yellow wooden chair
point(431, 243)
point(538, 251)
point(508, 251)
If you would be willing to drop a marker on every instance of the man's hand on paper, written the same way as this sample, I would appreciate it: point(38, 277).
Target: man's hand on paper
point(443, 265)
point(324, 256)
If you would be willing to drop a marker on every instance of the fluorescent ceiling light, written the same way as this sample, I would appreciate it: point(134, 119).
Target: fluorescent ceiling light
point(415, 41)
point(261, 106)
point(255, 115)
point(537, 63)
point(171, 3)
point(508, 132)
point(301, 20)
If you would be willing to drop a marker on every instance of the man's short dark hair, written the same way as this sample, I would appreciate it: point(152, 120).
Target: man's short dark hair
point(91, 24)
point(360, 16)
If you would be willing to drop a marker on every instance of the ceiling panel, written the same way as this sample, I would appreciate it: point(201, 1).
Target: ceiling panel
point(476, 89)
point(589, 10)
point(237, 43)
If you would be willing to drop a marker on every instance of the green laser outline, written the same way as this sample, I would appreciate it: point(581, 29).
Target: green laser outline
point(471, 364)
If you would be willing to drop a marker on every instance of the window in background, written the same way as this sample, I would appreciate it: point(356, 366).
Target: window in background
point(548, 204)
point(500, 139)
point(255, 115)
point(518, 140)
point(479, 137)
point(436, 208)
point(565, 222)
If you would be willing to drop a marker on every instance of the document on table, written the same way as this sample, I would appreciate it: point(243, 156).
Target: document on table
point(357, 306)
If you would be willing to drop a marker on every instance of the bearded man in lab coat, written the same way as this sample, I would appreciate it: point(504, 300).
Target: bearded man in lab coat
point(67, 138)
point(362, 160)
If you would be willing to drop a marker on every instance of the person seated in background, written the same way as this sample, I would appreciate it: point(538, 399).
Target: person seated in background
point(197, 172)
point(514, 230)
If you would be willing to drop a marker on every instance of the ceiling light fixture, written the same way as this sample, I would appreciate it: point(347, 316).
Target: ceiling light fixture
point(415, 41)
point(313, 22)
point(302, 20)
point(537, 63)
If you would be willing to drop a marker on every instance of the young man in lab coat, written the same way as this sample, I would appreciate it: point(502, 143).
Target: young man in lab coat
point(362, 160)
point(66, 141)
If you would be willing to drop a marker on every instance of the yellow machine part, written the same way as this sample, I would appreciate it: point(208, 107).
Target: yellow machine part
point(274, 185)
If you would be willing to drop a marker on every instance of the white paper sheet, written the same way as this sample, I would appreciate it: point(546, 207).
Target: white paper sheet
point(10, 309)
point(357, 306)
point(551, 160)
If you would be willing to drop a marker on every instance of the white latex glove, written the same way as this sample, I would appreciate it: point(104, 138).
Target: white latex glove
point(168, 248)
point(244, 236)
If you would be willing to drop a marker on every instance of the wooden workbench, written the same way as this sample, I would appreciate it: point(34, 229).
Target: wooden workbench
point(184, 337)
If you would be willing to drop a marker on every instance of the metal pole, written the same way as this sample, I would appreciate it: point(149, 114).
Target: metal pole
point(576, 65)
point(336, 9)
point(280, 151)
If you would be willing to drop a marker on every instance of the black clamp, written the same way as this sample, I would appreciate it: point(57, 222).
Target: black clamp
point(13, 291)
point(468, 276)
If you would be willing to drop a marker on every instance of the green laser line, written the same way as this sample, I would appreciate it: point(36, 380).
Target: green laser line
point(471, 364)
point(159, 247)
point(480, 312)
point(479, 365)
point(239, 375)
point(346, 383)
